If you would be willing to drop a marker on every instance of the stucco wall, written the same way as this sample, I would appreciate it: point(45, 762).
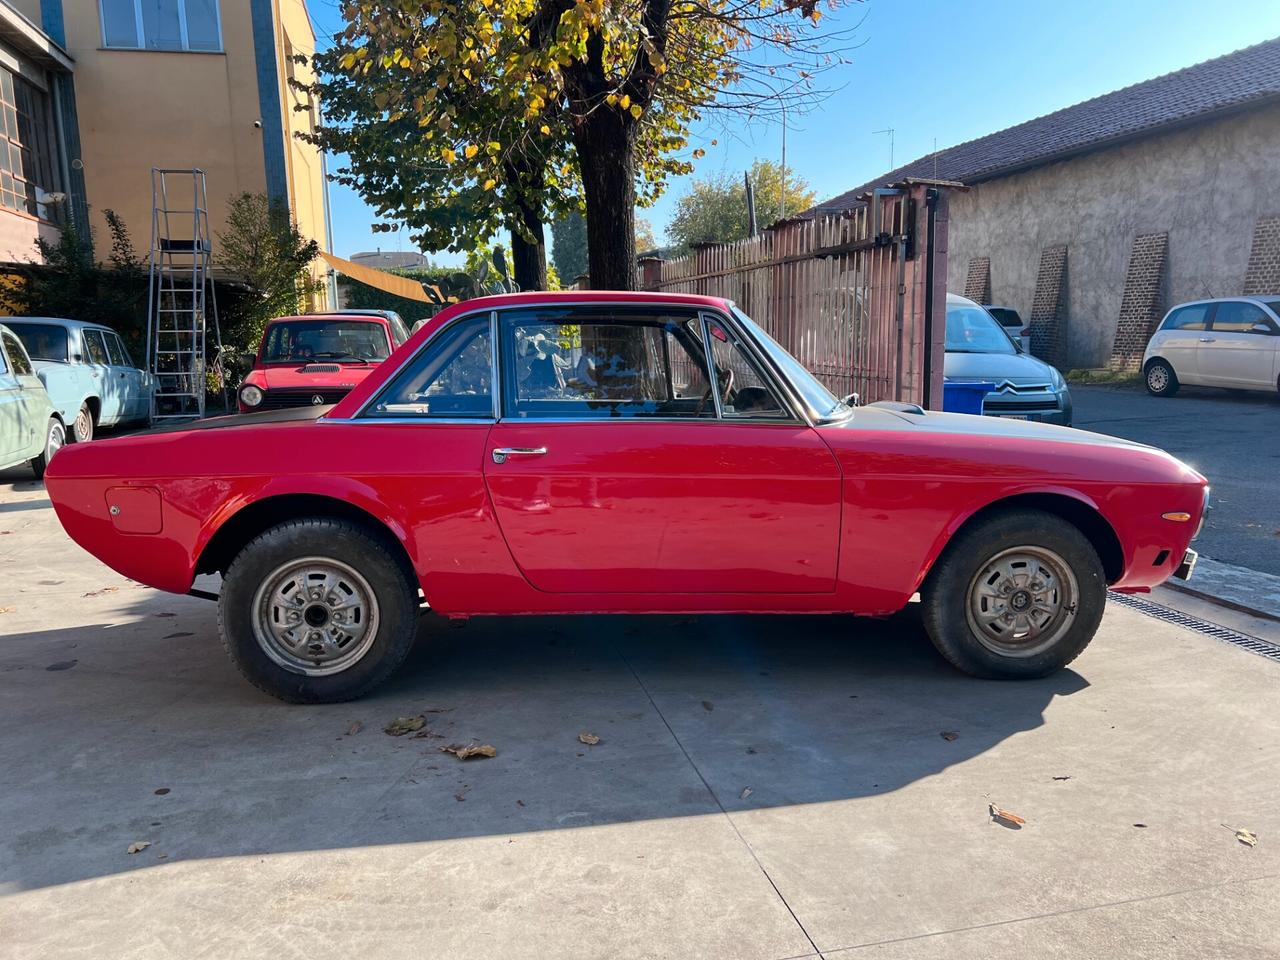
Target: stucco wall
point(1206, 186)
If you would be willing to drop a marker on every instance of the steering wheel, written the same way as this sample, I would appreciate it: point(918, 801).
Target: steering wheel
point(725, 375)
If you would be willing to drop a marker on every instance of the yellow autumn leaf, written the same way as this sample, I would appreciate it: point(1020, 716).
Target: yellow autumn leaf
point(471, 150)
point(490, 183)
point(625, 101)
point(636, 110)
point(611, 99)
point(545, 130)
point(449, 155)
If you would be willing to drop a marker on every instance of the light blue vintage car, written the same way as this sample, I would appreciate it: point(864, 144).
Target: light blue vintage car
point(30, 430)
point(88, 372)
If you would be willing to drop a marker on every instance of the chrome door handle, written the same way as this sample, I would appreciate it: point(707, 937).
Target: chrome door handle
point(1208, 340)
point(500, 454)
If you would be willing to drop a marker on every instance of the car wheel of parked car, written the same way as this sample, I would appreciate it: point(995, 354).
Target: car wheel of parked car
point(55, 436)
point(317, 611)
point(1161, 380)
point(82, 426)
point(1018, 594)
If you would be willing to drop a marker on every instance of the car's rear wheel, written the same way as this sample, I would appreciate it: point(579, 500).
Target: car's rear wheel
point(82, 426)
point(54, 438)
point(317, 611)
point(1018, 594)
point(1160, 378)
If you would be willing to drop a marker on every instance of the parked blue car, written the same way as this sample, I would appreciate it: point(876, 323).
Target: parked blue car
point(88, 372)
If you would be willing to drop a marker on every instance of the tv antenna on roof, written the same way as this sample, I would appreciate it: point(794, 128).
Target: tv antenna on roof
point(889, 131)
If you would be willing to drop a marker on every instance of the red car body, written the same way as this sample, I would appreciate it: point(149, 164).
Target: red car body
point(623, 516)
point(309, 380)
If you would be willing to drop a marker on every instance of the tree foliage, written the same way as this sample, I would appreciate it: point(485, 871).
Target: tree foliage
point(262, 246)
point(462, 116)
point(715, 208)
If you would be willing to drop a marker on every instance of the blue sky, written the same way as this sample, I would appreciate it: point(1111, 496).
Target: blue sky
point(934, 71)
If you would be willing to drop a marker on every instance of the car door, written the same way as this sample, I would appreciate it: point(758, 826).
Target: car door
point(111, 392)
point(615, 468)
point(1179, 337)
point(1239, 348)
point(11, 418)
point(19, 384)
point(128, 377)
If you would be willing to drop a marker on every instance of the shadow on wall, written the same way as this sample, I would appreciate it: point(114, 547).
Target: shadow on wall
point(691, 712)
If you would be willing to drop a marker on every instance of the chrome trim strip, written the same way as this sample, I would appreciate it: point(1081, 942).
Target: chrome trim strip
point(420, 421)
point(494, 367)
point(711, 364)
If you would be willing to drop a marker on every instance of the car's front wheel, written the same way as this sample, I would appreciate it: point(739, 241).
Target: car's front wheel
point(317, 610)
point(54, 437)
point(1160, 378)
point(1018, 594)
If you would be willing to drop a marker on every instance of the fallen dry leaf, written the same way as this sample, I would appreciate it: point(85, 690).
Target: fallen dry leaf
point(590, 739)
point(355, 728)
point(708, 706)
point(470, 750)
point(1247, 837)
point(746, 792)
point(160, 792)
point(7, 609)
point(1005, 815)
point(166, 614)
point(138, 846)
point(402, 725)
point(949, 735)
point(103, 592)
point(61, 665)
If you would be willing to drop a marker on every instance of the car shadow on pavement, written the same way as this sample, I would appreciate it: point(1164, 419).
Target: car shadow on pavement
point(139, 729)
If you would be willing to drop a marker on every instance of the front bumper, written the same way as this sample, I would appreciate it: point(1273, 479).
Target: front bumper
point(1187, 566)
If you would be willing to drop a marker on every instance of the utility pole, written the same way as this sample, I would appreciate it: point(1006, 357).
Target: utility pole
point(782, 202)
point(889, 131)
point(752, 228)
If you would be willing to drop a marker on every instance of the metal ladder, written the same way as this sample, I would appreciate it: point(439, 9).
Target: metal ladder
point(181, 299)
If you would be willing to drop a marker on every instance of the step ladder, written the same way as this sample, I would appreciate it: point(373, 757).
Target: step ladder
point(181, 304)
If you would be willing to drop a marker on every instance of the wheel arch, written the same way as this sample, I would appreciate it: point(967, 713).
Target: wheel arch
point(1069, 506)
point(255, 517)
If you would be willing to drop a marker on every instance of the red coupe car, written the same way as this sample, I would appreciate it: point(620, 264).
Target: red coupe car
point(621, 452)
point(317, 359)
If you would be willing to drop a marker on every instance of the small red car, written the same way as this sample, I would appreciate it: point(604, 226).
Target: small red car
point(318, 358)
point(622, 452)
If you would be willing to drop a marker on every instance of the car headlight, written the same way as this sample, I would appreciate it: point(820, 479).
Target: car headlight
point(250, 395)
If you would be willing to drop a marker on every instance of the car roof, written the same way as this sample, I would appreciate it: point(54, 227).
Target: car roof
point(1253, 297)
point(373, 316)
point(63, 322)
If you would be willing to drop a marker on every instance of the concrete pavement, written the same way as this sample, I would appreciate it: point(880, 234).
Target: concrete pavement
point(764, 788)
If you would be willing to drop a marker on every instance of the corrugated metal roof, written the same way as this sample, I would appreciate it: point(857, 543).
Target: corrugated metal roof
point(1245, 78)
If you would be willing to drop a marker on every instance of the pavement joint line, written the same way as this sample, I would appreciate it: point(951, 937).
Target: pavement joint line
point(1054, 913)
point(715, 797)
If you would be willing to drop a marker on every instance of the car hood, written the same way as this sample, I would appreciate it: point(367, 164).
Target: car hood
point(997, 368)
point(873, 417)
point(319, 373)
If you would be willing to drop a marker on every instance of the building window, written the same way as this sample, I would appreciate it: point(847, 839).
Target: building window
point(161, 25)
point(28, 168)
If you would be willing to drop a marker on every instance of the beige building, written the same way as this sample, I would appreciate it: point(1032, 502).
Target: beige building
point(182, 84)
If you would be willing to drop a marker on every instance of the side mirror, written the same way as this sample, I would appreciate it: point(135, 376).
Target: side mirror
point(851, 400)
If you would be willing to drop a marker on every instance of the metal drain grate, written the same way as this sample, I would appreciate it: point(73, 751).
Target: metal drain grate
point(1252, 644)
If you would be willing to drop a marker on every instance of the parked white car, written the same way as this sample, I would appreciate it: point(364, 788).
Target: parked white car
point(30, 429)
point(1229, 342)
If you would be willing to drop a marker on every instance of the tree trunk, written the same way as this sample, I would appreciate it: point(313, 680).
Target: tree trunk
point(606, 142)
point(530, 259)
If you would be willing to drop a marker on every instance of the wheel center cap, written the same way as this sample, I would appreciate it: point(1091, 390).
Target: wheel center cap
point(1020, 600)
point(316, 615)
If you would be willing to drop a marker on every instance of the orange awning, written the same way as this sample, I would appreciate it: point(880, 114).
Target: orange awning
point(387, 282)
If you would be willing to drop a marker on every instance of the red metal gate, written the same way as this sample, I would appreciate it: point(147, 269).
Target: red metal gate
point(859, 299)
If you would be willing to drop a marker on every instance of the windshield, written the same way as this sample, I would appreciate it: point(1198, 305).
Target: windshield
point(970, 329)
point(44, 341)
point(345, 341)
point(822, 402)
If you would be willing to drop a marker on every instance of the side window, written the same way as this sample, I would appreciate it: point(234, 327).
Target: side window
point(1238, 316)
point(744, 391)
point(398, 333)
point(451, 378)
point(588, 363)
point(17, 356)
point(114, 351)
point(124, 352)
point(1194, 317)
point(94, 347)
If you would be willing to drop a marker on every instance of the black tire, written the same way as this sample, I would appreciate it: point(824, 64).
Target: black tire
point(953, 625)
point(1160, 379)
point(54, 438)
point(82, 427)
point(360, 551)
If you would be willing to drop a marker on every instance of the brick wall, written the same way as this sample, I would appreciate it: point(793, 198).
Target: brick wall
point(1262, 276)
point(1048, 309)
point(1141, 302)
point(977, 285)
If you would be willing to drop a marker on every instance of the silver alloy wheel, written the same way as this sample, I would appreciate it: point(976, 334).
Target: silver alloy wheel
point(1157, 378)
point(1022, 601)
point(54, 441)
point(315, 616)
point(83, 425)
